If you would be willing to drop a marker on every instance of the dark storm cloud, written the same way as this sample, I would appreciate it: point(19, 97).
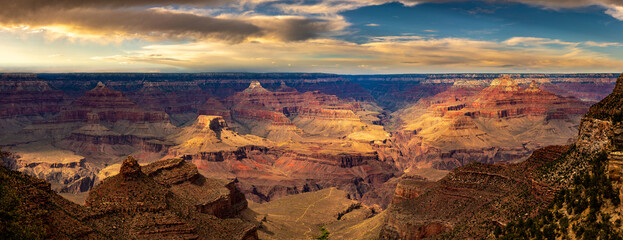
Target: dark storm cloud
point(294, 29)
point(137, 19)
point(37, 5)
point(147, 23)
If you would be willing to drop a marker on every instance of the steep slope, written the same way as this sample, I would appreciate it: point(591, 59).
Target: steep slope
point(590, 204)
point(31, 210)
point(558, 193)
point(94, 131)
point(66, 171)
point(26, 101)
point(180, 100)
point(267, 171)
point(324, 129)
point(118, 112)
point(169, 200)
point(209, 135)
point(290, 115)
point(502, 122)
point(471, 200)
point(311, 141)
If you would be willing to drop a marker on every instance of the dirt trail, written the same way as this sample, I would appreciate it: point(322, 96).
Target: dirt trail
point(308, 207)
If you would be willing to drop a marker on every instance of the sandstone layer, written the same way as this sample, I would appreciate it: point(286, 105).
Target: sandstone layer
point(501, 122)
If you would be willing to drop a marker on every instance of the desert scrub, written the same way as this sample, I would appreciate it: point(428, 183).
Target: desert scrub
point(580, 211)
point(324, 235)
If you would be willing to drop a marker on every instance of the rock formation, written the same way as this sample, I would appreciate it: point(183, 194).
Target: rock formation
point(169, 199)
point(284, 134)
point(558, 191)
point(25, 102)
point(67, 172)
point(34, 211)
point(307, 133)
point(589, 204)
point(266, 171)
point(502, 122)
point(285, 116)
point(180, 100)
point(471, 201)
point(210, 134)
point(112, 125)
point(98, 128)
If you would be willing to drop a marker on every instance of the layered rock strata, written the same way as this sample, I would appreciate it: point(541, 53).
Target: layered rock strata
point(471, 201)
point(168, 200)
point(502, 122)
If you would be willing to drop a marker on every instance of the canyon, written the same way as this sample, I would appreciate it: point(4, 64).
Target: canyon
point(470, 122)
point(518, 199)
point(406, 150)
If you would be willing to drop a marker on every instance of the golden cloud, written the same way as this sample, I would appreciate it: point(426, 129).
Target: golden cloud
point(390, 56)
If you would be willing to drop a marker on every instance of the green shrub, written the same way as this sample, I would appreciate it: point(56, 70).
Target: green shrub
point(325, 234)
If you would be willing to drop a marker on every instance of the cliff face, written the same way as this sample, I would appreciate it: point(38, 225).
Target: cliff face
point(209, 135)
point(471, 200)
point(25, 102)
point(180, 100)
point(168, 199)
point(559, 191)
point(109, 106)
point(589, 204)
point(66, 171)
point(501, 122)
point(286, 114)
point(312, 141)
point(313, 131)
point(33, 211)
point(103, 106)
point(95, 130)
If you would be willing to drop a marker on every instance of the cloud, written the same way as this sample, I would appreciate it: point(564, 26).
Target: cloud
point(603, 44)
point(533, 41)
point(372, 25)
point(390, 55)
point(149, 19)
point(23, 6)
point(291, 28)
point(616, 12)
point(326, 7)
point(125, 19)
point(395, 38)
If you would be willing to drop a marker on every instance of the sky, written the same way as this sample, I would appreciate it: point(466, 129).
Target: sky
point(332, 36)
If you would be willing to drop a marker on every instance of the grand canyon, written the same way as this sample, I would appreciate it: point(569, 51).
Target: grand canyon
point(283, 156)
point(311, 119)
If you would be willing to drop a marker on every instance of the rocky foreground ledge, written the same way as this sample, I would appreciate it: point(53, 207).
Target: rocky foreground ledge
point(167, 199)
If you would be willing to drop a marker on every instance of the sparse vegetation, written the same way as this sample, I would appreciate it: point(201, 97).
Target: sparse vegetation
point(581, 211)
point(15, 223)
point(349, 209)
point(325, 234)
